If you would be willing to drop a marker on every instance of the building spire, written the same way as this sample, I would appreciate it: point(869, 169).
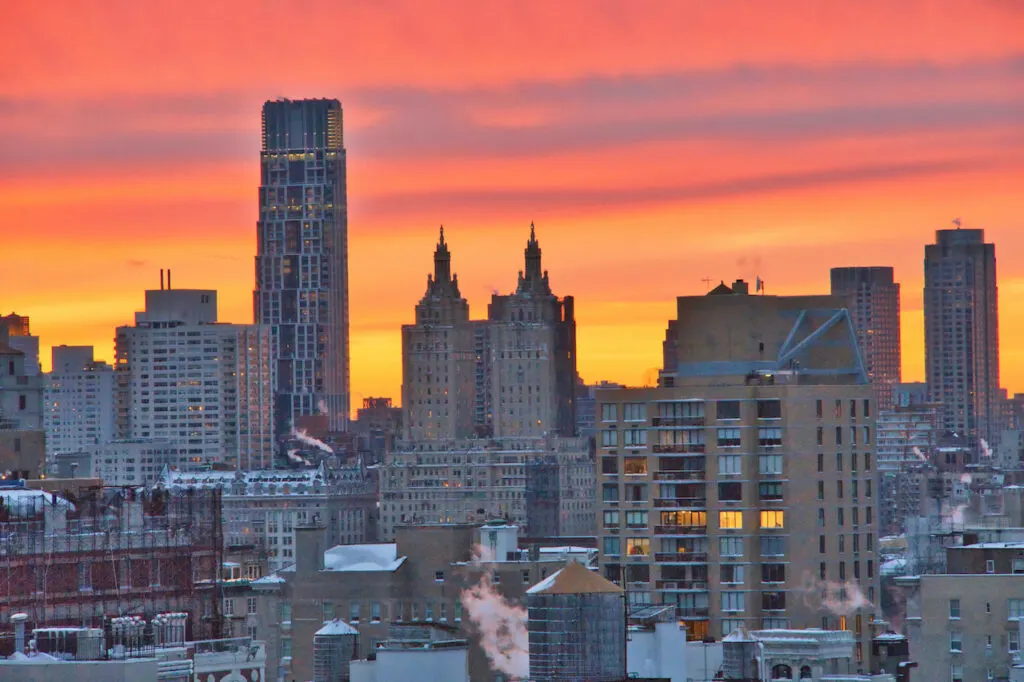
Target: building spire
point(533, 279)
point(442, 282)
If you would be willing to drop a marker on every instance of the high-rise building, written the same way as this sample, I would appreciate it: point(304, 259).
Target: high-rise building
point(22, 438)
point(79, 407)
point(873, 299)
point(740, 491)
point(186, 379)
point(302, 258)
point(512, 375)
point(19, 337)
point(961, 329)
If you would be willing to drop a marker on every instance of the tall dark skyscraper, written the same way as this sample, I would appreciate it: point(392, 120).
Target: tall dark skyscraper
point(302, 258)
point(873, 299)
point(961, 323)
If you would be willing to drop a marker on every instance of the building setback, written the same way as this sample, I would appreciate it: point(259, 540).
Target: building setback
point(741, 489)
point(302, 258)
point(873, 299)
point(186, 379)
point(961, 330)
point(512, 375)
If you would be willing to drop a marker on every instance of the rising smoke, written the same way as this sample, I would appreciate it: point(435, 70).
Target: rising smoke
point(501, 624)
point(302, 436)
point(919, 454)
point(297, 458)
point(986, 451)
point(840, 598)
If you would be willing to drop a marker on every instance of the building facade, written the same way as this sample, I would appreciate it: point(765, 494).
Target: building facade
point(961, 317)
point(79, 401)
point(741, 490)
point(22, 437)
point(475, 480)
point(302, 258)
point(873, 299)
point(19, 337)
point(512, 375)
point(186, 379)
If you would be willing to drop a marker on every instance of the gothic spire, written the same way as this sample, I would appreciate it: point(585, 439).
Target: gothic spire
point(533, 279)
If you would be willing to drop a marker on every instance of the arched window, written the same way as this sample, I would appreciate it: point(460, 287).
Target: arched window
point(782, 671)
point(805, 672)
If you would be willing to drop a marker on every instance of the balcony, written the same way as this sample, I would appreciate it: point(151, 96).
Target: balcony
point(689, 422)
point(680, 502)
point(685, 612)
point(680, 530)
point(682, 475)
point(679, 448)
point(681, 557)
point(700, 585)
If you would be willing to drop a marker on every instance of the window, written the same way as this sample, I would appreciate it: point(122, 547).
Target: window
point(285, 613)
point(769, 409)
point(867, 435)
point(375, 611)
point(733, 601)
point(821, 517)
point(867, 408)
point(821, 461)
point(458, 611)
point(839, 461)
point(609, 465)
point(634, 438)
point(730, 546)
point(730, 492)
point(773, 573)
point(871, 568)
point(817, 409)
point(612, 545)
point(635, 465)
point(729, 464)
point(842, 543)
point(853, 410)
point(771, 490)
point(853, 488)
point(821, 544)
point(769, 437)
point(867, 515)
point(1014, 609)
point(839, 435)
point(250, 605)
point(728, 438)
point(610, 492)
point(428, 608)
point(496, 577)
point(839, 490)
point(773, 545)
point(853, 461)
point(1013, 641)
point(731, 574)
point(773, 601)
point(853, 435)
point(954, 608)
point(772, 518)
point(84, 575)
point(439, 575)
point(353, 611)
point(730, 625)
point(955, 641)
point(609, 412)
point(611, 519)
point(526, 578)
point(730, 519)
point(840, 517)
point(229, 607)
point(821, 436)
point(638, 546)
point(609, 438)
point(821, 490)
point(326, 611)
point(867, 462)
point(769, 464)
point(634, 412)
point(823, 573)
point(837, 412)
point(728, 409)
point(990, 566)
point(636, 519)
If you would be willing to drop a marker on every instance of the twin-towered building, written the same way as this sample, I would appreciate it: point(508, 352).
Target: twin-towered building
point(510, 376)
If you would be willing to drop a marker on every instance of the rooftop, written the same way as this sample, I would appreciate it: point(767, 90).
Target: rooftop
point(575, 578)
point(336, 627)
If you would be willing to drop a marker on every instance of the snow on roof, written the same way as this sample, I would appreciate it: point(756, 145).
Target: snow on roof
point(336, 627)
point(356, 558)
point(26, 501)
point(569, 549)
point(889, 637)
point(208, 478)
point(574, 579)
point(992, 545)
point(271, 579)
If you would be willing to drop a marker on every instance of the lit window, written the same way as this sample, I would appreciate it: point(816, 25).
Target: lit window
point(638, 546)
point(730, 519)
point(772, 518)
point(635, 465)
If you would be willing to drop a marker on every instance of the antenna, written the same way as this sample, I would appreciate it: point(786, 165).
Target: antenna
point(707, 283)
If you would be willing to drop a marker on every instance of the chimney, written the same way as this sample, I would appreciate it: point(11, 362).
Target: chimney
point(310, 543)
point(740, 287)
point(19, 631)
point(161, 279)
point(168, 279)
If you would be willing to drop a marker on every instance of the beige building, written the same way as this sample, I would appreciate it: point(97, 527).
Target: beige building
point(512, 375)
point(544, 485)
point(417, 579)
point(741, 489)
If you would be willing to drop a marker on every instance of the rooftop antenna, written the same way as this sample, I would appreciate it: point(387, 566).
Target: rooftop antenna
point(707, 283)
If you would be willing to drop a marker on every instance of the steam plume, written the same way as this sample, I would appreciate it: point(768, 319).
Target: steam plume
point(501, 624)
point(298, 458)
point(919, 454)
point(304, 437)
point(841, 598)
point(321, 406)
point(986, 451)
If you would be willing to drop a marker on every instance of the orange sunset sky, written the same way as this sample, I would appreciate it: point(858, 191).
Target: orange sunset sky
point(655, 144)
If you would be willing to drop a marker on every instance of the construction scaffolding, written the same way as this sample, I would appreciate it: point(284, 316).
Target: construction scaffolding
point(104, 553)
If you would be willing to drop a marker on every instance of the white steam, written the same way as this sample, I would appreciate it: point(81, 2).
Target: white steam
point(321, 405)
point(986, 451)
point(501, 624)
point(302, 436)
point(919, 454)
point(298, 459)
point(841, 598)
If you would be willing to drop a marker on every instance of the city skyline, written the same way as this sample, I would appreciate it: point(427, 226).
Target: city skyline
point(868, 135)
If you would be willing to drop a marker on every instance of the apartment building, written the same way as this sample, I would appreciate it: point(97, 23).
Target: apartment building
point(187, 379)
point(964, 625)
point(78, 401)
point(473, 480)
point(22, 438)
point(512, 375)
point(741, 489)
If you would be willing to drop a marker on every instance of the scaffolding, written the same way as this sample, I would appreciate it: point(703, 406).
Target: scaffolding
point(81, 559)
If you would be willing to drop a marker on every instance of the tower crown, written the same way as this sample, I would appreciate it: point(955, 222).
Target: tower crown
point(443, 283)
point(533, 279)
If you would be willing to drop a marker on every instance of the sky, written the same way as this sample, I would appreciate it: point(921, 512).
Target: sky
point(655, 145)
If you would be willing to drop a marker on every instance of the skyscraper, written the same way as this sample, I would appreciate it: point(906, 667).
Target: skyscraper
point(874, 303)
point(961, 320)
point(302, 258)
point(78, 401)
